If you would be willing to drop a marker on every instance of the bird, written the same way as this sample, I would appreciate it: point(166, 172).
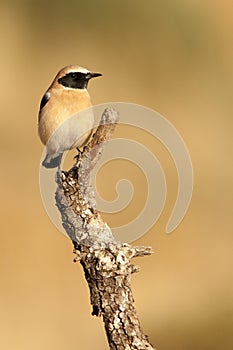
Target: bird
point(66, 118)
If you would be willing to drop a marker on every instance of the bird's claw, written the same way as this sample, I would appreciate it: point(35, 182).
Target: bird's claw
point(60, 176)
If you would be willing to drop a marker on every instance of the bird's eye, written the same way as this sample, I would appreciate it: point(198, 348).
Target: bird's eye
point(73, 75)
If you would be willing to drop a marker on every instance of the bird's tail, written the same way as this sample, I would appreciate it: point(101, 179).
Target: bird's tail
point(52, 161)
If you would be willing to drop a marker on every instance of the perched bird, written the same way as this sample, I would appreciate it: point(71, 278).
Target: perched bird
point(66, 117)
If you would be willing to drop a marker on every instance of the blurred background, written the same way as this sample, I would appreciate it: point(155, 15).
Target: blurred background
point(175, 57)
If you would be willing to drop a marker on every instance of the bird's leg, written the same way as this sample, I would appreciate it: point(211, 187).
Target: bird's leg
point(59, 172)
point(77, 157)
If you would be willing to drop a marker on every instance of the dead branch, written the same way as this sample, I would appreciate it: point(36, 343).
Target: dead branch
point(106, 263)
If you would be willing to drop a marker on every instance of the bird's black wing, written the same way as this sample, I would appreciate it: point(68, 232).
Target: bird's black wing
point(44, 100)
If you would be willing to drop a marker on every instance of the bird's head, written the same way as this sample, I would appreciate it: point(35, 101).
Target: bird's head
point(74, 77)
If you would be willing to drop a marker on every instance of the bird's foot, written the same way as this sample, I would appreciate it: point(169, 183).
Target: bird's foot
point(60, 176)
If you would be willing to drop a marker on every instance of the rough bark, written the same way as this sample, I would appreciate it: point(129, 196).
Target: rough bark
point(106, 263)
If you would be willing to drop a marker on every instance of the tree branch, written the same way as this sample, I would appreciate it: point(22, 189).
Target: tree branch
point(106, 263)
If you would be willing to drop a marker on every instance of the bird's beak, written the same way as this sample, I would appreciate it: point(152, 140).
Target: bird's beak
point(93, 75)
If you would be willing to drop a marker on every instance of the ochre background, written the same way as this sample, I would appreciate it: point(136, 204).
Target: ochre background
point(175, 57)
